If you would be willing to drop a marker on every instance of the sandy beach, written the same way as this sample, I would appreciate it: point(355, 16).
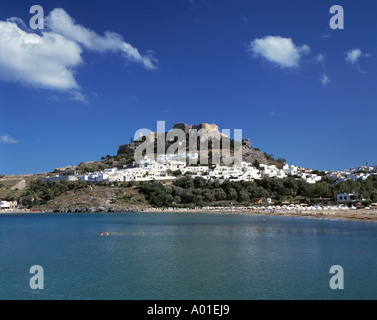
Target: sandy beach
point(350, 214)
point(344, 214)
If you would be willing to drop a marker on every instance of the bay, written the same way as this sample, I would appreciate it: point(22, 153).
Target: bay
point(168, 256)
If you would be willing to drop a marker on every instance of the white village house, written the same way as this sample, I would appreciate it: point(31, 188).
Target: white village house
point(347, 197)
point(164, 166)
point(8, 205)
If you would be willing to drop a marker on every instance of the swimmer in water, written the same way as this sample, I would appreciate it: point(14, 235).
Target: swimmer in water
point(101, 233)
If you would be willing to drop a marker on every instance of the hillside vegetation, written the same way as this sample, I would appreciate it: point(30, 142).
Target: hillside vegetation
point(82, 196)
point(199, 192)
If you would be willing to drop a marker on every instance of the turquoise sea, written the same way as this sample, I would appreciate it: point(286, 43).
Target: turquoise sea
point(184, 256)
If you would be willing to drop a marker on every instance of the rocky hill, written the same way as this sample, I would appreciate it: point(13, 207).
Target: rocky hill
point(13, 187)
point(249, 154)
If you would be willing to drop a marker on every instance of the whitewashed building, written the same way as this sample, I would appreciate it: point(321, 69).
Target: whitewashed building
point(347, 197)
point(8, 204)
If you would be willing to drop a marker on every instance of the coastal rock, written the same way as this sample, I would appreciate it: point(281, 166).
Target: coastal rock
point(185, 127)
point(124, 148)
point(246, 142)
point(249, 154)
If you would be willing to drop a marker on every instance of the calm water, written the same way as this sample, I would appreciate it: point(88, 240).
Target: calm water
point(181, 256)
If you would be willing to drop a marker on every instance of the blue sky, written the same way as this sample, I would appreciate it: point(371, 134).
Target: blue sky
point(275, 69)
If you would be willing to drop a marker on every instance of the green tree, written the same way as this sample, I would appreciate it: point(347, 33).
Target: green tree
point(177, 173)
point(232, 194)
point(216, 184)
point(243, 196)
point(186, 182)
point(189, 197)
point(220, 194)
point(208, 196)
point(256, 164)
point(199, 182)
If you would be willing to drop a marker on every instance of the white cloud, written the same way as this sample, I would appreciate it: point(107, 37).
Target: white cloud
point(77, 95)
point(353, 56)
point(280, 51)
point(43, 61)
point(320, 58)
point(49, 59)
point(6, 138)
point(324, 80)
point(53, 99)
point(62, 23)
